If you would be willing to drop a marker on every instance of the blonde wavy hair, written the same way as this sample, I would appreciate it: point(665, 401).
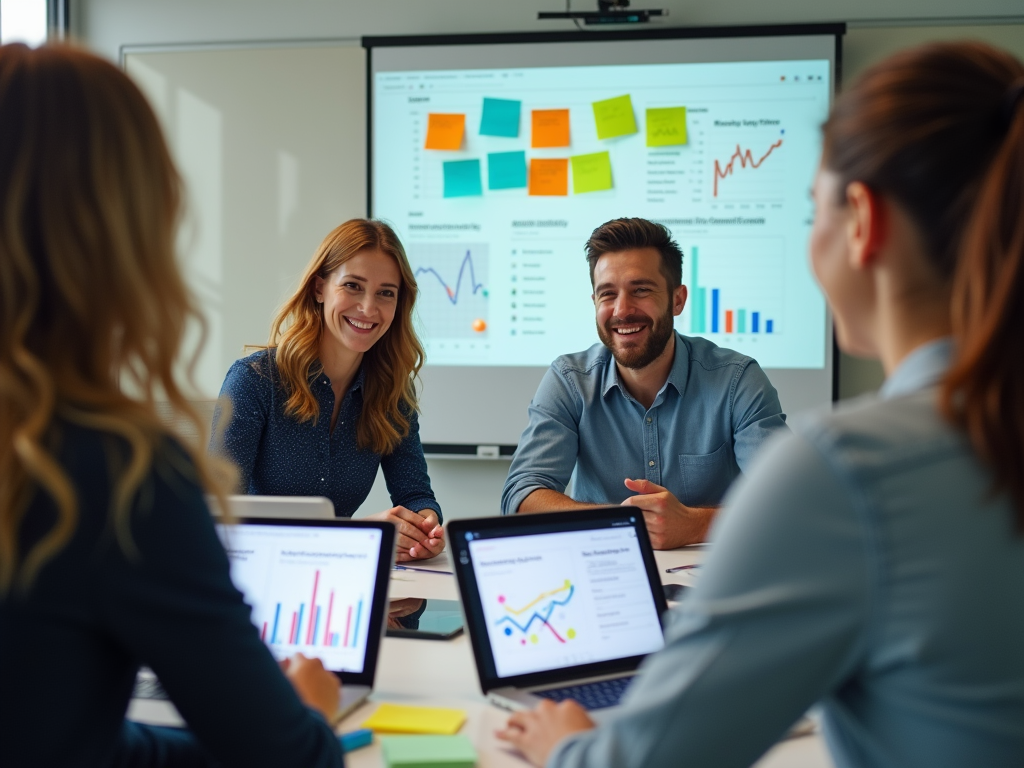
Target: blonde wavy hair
point(390, 366)
point(92, 305)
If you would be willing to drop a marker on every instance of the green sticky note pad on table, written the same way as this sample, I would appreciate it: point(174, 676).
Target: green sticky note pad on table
point(591, 173)
point(666, 126)
point(614, 117)
point(428, 752)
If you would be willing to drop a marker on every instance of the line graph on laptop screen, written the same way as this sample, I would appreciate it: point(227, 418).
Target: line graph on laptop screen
point(564, 599)
point(310, 589)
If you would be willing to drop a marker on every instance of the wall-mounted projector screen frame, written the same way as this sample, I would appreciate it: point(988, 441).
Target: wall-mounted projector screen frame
point(476, 409)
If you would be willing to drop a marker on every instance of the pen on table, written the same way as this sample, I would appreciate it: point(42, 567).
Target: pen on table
point(421, 570)
point(682, 568)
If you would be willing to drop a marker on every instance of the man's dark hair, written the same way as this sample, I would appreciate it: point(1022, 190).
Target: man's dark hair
point(629, 234)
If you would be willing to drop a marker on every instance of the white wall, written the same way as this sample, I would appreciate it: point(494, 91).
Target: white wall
point(471, 488)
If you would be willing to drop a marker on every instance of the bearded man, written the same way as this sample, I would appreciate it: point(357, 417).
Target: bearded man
point(648, 417)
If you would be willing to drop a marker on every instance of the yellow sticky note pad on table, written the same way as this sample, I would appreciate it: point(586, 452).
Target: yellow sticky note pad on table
point(396, 718)
point(614, 117)
point(444, 131)
point(666, 126)
point(591, 173)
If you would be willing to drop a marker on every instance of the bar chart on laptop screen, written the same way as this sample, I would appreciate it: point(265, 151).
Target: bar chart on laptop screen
point(310, 589)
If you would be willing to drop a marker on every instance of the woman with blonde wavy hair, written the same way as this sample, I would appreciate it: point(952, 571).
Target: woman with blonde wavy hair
point(332, 399)
point(108, 554)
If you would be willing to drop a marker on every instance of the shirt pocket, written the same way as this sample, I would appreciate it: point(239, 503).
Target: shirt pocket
point(707, 476)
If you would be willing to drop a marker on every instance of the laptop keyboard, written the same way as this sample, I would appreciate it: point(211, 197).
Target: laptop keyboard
point(599, 695)
point(149, 688)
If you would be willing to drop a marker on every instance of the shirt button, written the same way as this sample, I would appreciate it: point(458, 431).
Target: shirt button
point(649, 419)
point(650, 463)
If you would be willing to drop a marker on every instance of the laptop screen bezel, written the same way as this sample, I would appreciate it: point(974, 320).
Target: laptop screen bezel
point(526, 525)
point(381, 582)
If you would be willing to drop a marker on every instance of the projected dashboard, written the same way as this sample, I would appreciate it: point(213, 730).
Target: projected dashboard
point(496, 177)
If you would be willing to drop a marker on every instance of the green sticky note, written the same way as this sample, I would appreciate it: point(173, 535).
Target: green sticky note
point(591, 173)
point(462, 178)
point(428, 752)
point(614, 117)
point(666, 126)
point(506, 170)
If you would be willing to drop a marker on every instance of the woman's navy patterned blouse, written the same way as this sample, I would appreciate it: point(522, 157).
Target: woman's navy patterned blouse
point(278, 456)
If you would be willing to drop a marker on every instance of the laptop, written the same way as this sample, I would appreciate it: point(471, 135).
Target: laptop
point(301, 507)
point(563, 605)
point(318, 587)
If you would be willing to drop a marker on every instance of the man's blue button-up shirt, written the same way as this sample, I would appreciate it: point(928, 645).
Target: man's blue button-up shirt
point(713, 413)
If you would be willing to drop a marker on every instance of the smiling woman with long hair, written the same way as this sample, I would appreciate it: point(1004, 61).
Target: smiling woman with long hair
point(332, 398)
point(873, 561)
point(108, 554)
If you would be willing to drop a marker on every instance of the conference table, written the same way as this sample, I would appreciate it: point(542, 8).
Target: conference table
point(442, 673)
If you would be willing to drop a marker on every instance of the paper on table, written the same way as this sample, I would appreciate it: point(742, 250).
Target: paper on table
point(549, 177)
point(444, 131)
point(500, 118)
point(591, 173)
point(550, 128)
point(666, 126)
point(396, 718)
point(506, 170)
point(462, 178)
point(614, 117)
point(428, 752)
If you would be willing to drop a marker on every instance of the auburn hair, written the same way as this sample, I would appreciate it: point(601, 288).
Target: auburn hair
point(92, 305)
point(390, 367)
point(940, 130)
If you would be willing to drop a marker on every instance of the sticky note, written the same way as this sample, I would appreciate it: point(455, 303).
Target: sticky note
point(396, 718)
point(550, 128)
point(666, 126)
point(614, 117)
point(591, 173)
point(506, 170)
point(354, 740)
point(445, 131)
point(500, 118)
point(428, 752)
point(462, 178)
point(549, 177)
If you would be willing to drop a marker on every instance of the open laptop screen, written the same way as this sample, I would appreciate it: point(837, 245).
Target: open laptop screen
point(559, 591)
point(315, 587)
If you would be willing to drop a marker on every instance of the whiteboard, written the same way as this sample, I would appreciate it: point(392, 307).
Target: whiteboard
point(271, 143)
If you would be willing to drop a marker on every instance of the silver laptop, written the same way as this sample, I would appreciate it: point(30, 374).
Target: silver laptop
point(300, 507)
point(318, 587)
point(560, 605)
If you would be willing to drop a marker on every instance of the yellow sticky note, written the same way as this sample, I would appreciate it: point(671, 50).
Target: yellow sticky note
point(666, 126)
point(396, 718)
point(548, 176)
point(445, 131)
point(591, 173)
point(549, 128)
point(614, 117)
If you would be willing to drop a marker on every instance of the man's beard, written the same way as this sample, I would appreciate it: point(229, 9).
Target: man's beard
point(638, 356)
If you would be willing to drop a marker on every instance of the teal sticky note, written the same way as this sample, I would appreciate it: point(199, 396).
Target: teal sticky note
point(428, 752)
point(462, 178)
point(506, 170)
point(500, 118)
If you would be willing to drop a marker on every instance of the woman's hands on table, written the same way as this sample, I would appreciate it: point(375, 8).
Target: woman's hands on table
point(535, 733)
point(420, 536)
point(317, 688)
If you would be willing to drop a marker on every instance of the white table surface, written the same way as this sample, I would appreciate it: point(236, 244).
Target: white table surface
point(442, 673)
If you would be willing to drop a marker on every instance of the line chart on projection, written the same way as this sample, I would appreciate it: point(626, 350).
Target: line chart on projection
point(454, 290)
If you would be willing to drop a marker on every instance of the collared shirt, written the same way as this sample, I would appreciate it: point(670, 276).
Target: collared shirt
point(714, 411)
point(862, 563)
point(279, 456)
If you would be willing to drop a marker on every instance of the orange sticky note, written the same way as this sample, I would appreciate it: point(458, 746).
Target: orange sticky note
point(445, 131)
point(550, 128)
point(549, 177)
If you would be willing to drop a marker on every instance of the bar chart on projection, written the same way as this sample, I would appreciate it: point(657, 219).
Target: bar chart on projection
point(311, 590)
point(736, 288)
